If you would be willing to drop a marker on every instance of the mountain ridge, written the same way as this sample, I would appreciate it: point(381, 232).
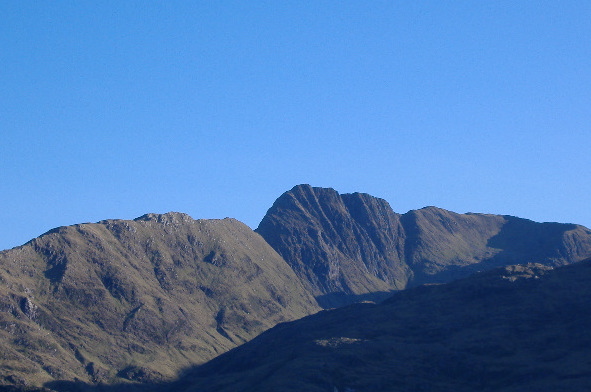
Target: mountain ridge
point(132, 302)
point(351, 245)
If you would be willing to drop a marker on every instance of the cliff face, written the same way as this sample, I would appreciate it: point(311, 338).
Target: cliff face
point(138, 300)
point(354, 246)
point(338, 244)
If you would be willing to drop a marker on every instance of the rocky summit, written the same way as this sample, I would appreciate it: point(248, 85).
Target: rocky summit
point(351, 247)
point(121, 301)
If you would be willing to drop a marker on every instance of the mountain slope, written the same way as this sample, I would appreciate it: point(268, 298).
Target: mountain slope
point(510, 329)
point(354, 246)
point(138, 300)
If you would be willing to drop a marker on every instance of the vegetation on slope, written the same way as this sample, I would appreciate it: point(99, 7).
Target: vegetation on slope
point(138, 300)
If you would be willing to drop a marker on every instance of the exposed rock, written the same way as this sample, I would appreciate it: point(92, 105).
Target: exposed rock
point(141, 374)
point(28, 307)
point(354, 246)
point(351, 244)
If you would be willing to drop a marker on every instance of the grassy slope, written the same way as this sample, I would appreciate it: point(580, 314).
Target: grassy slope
point(138, 299)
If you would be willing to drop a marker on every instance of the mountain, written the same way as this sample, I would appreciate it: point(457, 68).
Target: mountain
point(138, 300)
point(351, 247)
point(510, 329)
point(120, 305)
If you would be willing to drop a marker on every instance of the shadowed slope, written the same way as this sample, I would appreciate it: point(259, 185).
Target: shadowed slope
point(138, 300)
point(511, 329)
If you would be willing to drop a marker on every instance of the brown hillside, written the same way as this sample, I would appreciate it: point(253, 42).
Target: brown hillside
point(138, 300)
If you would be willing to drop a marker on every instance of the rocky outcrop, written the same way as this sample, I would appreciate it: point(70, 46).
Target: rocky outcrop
point(352, 247)
point(138, 300)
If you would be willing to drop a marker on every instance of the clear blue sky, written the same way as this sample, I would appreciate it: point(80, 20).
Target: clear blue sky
point(113, 109)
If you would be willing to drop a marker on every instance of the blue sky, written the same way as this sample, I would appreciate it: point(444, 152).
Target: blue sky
point(215, 108)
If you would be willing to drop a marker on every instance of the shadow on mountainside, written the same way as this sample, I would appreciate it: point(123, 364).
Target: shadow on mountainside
point(336, 300)
point(520, 241)
point(79, 386)
point(514, 328)
point(520, 238)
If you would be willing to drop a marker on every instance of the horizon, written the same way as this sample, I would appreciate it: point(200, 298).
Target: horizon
point(255, 227)
point(115, 110)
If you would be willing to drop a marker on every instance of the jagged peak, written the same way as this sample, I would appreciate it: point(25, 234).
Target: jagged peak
point(169, 217)
point(303, 189)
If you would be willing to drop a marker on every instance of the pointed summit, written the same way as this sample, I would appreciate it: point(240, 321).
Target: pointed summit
point(340, 245)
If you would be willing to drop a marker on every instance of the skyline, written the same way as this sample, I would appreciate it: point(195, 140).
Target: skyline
point(115, 110)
